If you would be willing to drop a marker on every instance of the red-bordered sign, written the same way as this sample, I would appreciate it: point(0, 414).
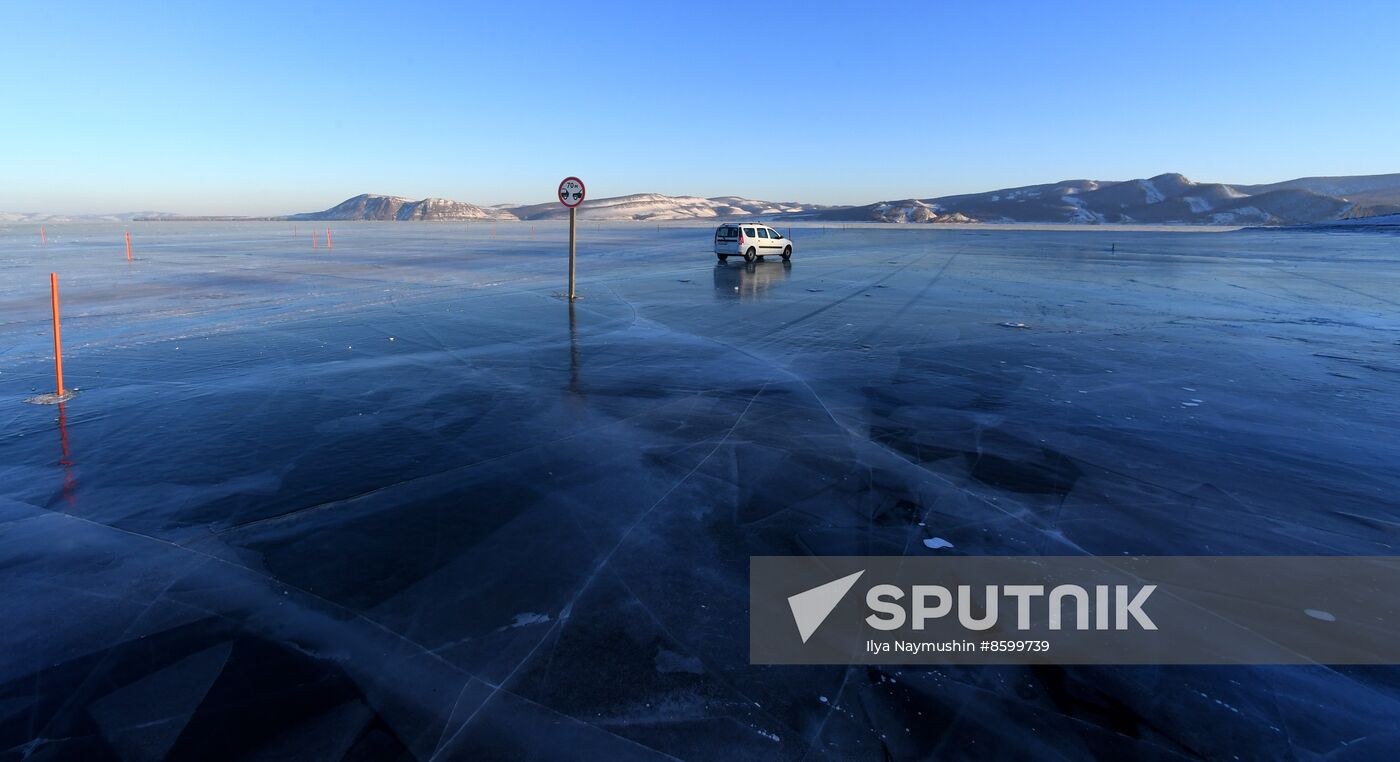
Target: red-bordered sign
point(571, 192)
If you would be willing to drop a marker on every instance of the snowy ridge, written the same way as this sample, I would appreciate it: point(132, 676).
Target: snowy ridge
point(1380, 222)
point(1163, 199)
point(638, 206)
point(655, 206)
point(914, 210)
point(1081, 214)
point(1154, 196)
point(39, 217)
point(370, 206)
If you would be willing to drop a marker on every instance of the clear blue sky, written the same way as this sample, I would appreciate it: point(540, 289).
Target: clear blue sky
point(253, 108)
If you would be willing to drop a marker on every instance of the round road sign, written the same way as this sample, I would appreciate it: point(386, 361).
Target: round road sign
point(571, 192)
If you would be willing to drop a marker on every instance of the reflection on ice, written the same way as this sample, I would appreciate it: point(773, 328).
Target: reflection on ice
point(747, 281)
point(575, 387)
point(70, 484)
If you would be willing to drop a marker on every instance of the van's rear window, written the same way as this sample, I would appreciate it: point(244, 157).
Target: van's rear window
point(727, 232)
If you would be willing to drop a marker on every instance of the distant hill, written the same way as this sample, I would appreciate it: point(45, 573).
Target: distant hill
point(1389, 223)
point(654, 206)
point(1167, 198)
point(369, 206)
point(1164, 199)
point(38, 217)
point(1372, 194)
point(638, 206)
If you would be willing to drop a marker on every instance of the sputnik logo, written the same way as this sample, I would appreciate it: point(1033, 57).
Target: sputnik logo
point(811, 607)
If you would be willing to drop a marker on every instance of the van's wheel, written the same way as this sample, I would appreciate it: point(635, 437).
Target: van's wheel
point(787, 253)
point(723, 257)
point(750, 255)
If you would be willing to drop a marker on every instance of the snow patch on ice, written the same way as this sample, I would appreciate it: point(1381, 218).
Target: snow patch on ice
point(529, 618)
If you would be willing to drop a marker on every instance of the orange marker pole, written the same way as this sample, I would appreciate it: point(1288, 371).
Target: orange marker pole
point(43, 238)
point(128, 245)
point(57, 339)
point(313, 239)
point(328, 240)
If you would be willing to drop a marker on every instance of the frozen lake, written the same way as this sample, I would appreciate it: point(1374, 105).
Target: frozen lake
point(399, 498)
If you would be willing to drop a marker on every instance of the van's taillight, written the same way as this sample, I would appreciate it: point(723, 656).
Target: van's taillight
point(741, 239)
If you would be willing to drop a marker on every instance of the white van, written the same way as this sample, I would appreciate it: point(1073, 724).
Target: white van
point(750, 240)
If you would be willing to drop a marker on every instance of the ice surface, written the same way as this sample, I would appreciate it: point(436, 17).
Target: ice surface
point(398, 499)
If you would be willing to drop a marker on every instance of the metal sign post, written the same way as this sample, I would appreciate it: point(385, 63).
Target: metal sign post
point(571, 195)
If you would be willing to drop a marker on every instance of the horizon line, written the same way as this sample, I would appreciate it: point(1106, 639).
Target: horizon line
point(513, 204)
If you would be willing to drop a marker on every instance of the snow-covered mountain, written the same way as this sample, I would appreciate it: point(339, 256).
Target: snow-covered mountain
point(638, 206)
point(1372, 194)
point(655, 206)
point(908, 210)
point(40, 217)
point(369, 206)
point(1381, 222)
point(1168, 198)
